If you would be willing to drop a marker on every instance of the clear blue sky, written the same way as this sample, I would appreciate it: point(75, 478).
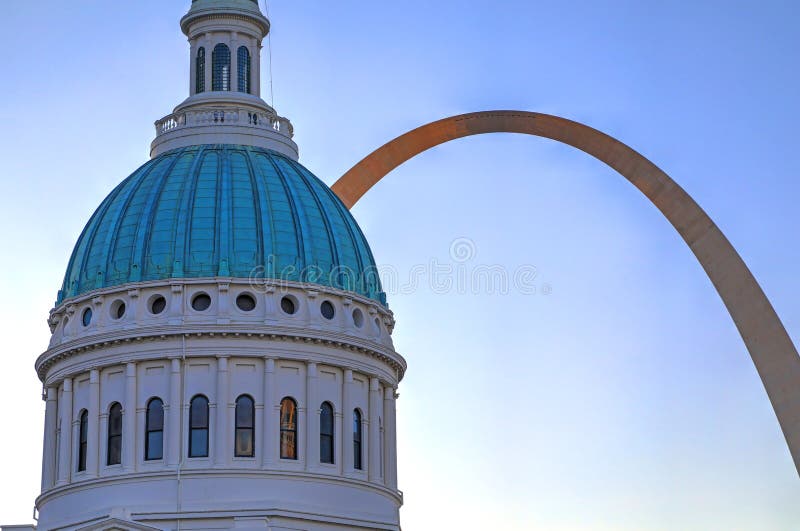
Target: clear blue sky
point(622, 400)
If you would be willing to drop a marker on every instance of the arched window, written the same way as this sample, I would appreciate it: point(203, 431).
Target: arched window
point(357, 440)
point(198, 427)
point(114, 448)
point(288, 429)
point(200, 71)
point(154, 430)
point(83, 439)
point(326, 433)
point(244, 69)
point(221, 68)
point(245, 427)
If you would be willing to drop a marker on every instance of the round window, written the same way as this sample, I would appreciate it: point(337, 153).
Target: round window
point(358, 318)
point(118, 310)
point(327, 310)
point(288, 305)
point(246, 302)
point(201, 302)
point(87, 317)
point(158, 304)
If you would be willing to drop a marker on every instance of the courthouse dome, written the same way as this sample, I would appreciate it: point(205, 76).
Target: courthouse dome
point(222, 211)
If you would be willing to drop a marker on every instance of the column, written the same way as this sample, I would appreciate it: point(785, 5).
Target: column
point(65, 440)
point(49, 445)
point(390, 437)
point(209, 45)
point(312, 418)
point(93, 432)
point(255, 73)
point(192, 67)
point(221, 430)
point(375, 409)
point(346, 458)
point(269, 423)
point(129, 419)
point(174, 429)
point(234, 46)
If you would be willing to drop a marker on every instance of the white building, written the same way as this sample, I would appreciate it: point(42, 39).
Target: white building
point(221, 353)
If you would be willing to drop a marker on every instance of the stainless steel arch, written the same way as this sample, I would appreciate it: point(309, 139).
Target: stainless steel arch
point(770, 347)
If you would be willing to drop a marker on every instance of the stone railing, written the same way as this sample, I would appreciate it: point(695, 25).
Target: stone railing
point(227, 116)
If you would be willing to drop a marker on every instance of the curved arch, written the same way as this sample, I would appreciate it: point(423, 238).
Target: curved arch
point(773, 353)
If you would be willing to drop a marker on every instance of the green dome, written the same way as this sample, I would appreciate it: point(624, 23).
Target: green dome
point(222, 211)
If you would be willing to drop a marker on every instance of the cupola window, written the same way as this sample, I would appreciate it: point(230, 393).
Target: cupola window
point(200, 71)
point(244, 69)
point(221, 68)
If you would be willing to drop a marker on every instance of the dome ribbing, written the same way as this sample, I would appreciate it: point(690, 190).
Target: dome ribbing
point(222, 211)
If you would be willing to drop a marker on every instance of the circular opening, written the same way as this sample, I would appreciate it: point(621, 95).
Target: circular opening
point(158, 304)
point(87, 317)
point(358, 318)
point(201, 302)
point(327, 310)
point(118, 310)
point(288, 305)
point(246, 302)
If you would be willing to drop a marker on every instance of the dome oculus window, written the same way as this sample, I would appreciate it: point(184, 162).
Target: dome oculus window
point(86, 318)
point(358, 318)
point(288, 305)
point(246, 302)
point(158, 304)
point(118, 310)
point(327, 310)
point(201, 302)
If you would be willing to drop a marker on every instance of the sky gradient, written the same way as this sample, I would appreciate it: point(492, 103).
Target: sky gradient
point(619, 395)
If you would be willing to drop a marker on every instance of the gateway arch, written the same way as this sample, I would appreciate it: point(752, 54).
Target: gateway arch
point(770, 347)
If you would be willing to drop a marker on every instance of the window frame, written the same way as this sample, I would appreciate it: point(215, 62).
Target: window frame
point(83, 439)
point(114, 410)
point(358, 440)
point(221, 68)
point(326, 409)
point(243, 427)
point(200, 71)
point(202, 427)
point(245, 70)
point(148, 429)
point(289, 429)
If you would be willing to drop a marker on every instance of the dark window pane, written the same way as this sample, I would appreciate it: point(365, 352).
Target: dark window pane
point(244, 412)
point(155, 415)
point(244, 443)
point(357, 439)
point(326, 449)
point(199, 412)
point(114, 450)
point(198, 443)
point(115, 420)
point(155, 445)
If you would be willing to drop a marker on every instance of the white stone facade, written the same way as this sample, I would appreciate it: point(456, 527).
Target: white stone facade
point(221, 353)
